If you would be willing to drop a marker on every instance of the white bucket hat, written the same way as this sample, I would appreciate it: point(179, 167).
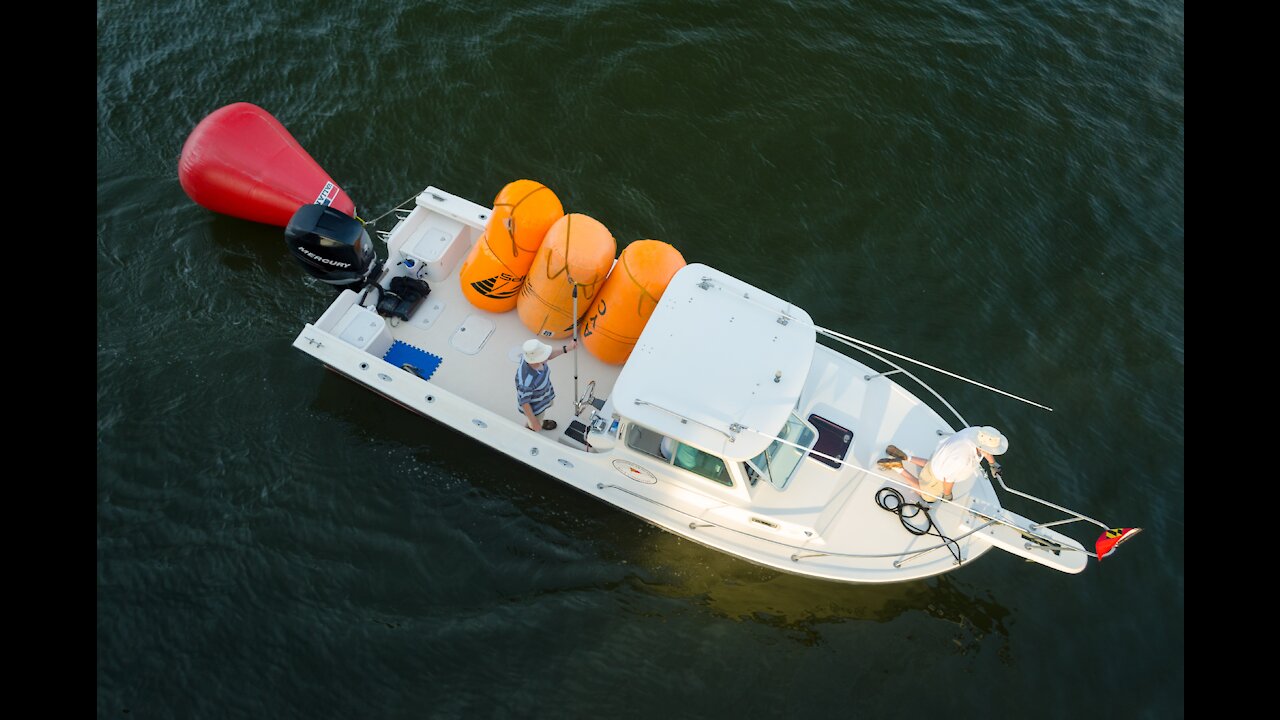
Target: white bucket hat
point(990, 439)
point(535, 351)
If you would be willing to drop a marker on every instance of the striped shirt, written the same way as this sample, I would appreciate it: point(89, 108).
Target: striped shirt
point(534, 387)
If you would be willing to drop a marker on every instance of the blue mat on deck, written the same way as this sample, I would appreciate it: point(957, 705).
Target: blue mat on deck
point(402, 352)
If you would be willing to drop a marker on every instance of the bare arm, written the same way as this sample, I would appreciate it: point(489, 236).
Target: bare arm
point(563, 348)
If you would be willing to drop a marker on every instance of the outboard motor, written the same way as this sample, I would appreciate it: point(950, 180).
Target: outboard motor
point(331, 245)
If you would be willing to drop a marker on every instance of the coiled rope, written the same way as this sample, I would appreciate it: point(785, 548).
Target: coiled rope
point(890, 499)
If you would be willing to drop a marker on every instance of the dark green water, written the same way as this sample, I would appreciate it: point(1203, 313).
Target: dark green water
point(992, 187)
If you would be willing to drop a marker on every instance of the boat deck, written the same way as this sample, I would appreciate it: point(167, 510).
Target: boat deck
point(479, 353)
point(825, 522)
point(472, 353)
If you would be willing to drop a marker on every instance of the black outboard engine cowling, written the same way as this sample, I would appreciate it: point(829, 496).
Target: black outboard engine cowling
point(331, 245)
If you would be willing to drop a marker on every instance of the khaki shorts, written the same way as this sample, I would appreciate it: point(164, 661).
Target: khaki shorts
point(930, 487)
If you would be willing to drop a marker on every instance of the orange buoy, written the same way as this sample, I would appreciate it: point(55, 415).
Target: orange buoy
point(577, 251)
point(628, 298)
point(494, 270)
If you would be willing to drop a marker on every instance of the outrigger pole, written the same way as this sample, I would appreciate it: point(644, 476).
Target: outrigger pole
point(846, 339)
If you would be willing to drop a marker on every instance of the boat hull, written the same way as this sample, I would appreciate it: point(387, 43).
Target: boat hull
point(823, 522)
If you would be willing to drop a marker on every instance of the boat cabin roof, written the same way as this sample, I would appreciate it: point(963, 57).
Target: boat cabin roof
point(717, 353)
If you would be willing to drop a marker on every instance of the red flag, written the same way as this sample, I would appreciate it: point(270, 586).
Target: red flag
point(1111, 539)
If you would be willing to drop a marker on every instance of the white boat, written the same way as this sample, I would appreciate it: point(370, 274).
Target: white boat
point(726, 422)
point(729, 424)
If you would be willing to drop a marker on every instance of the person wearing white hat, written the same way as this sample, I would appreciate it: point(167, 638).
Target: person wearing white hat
point(534, 393)
point(956, 459)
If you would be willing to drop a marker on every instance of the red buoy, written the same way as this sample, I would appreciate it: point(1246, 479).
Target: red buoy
point(241, 161)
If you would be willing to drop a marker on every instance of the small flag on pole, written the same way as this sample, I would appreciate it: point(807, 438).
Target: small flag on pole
point(1111, 539)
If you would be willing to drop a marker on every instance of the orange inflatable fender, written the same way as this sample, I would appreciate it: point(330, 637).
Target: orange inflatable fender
point(576, 252)
point(495, 268)
point(628, 298)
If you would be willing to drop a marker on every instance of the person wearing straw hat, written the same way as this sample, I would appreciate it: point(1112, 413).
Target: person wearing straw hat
point(534, 393)
point(956, 459)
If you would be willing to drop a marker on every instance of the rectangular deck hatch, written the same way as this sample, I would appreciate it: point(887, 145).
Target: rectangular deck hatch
point(472, 334)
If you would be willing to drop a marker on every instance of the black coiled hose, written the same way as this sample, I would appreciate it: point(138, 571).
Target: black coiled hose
point(890, 499)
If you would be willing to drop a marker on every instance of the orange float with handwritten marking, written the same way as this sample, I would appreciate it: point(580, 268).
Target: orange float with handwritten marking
point(494, 271)
point(577, 247)
point(628, 298)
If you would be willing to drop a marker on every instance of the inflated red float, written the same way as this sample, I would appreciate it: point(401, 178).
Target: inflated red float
point(241, 161)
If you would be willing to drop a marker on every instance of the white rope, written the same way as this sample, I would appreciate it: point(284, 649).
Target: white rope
point(406, 202)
